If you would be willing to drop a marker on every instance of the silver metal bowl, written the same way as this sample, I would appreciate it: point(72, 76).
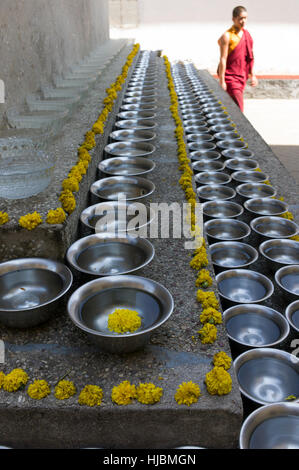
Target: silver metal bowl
point(222, 128)
point(140, 94)
point(219, 209)
point(226, 229)
point(255, 190)
point(287, 278)
point(196, 130)
point(279, 253)
point(235, 164)
point(217, 191)
point(193, 121)
point(203, 146)
point(223, 135)
point(129, 149)
point(237, 153)
point(255, 326)
point(265, 206)
point(228, 255)
point(274, 426)
point(147, 88)
point(135, 124)
point(231, 144)
point(274, 227)
point(114, 188)
point(133, 135)
point(136, 115)
point(139, 107)
point(212, 177)
point(105, 254)
point(91, 304)
point(243, 286)
point(126, 166)
point(139, 100)
point(205, 155)
point(292, 315)
point(212, 113)
point(267, 375)
point(215, 121)
point(116, 216)
point(31, 290)
point(207, 165)
point(200, 137)
point(249, 176)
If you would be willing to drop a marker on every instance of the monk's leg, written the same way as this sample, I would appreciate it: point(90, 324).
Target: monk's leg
point(237, 95)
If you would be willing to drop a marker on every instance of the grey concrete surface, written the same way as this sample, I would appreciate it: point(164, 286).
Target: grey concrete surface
point(53, 241)
point(40, 39)
point(57, 347)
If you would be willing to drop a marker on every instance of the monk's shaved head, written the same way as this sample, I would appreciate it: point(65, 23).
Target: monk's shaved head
point(238, 10)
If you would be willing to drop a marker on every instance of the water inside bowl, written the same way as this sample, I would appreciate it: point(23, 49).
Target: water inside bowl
point(96, 309)
point(253, 329)
point(280, 432)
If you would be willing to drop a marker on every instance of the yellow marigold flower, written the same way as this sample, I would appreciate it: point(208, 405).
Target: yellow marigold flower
point(295, 238)
point(218, 381)
point(84, 155)
point(56, 216)
point(71, 184)
point(68, 201)
point(83, 163)
point(14, 380)
point(221, 359)
point(3, 218)
point(187, 393)
point(123, 320)
point(80, 167)
point(2, 377)
point(91, 395)
point(207, 299)
point(30, 221)
point(148, 393)
point(76, 175)
point(211, 315)
point(64, 390)
point(208, 333)
point(287, 215)
point(124, 393)
point(98, 128)
point(39, 389)
point(204, 279)
point(200, 260)
point(290, 398)
point(257, 169)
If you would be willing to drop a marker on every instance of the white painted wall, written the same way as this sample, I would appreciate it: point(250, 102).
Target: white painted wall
point(189, 29)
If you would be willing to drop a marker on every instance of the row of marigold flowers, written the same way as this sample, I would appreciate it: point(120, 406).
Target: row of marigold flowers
point(70, 185)
point(210, 316)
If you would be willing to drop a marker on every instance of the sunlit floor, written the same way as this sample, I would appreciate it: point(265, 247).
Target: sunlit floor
point(277, 121)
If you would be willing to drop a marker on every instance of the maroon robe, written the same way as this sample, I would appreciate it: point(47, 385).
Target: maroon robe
point(238, 66)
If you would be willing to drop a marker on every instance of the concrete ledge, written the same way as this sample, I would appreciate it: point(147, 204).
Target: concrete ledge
point(52, 241)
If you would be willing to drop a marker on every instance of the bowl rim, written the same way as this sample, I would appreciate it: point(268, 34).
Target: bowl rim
point(269, 188)
point(235, 174)
point(41, 263)
point(288, 313)
point(262, 352)
point(261, 414)
point(102, 238)
point(268, 200)
point(131, 279)
point(241, 245)
point(276, 241)
point(209, 186)
point(278, 274)
point(249, 273)
point(279, 220)
point(244, 160)
point(218, 220)
point(260, 308)
point(89, 209)
point(111, 179)
point(220, 202)
point(212, 172)
point(147, 161)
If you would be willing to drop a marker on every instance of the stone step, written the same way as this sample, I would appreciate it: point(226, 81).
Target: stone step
point(36, 102)
point(24, 118)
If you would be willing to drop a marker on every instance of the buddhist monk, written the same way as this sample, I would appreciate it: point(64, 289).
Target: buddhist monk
point(236, 58)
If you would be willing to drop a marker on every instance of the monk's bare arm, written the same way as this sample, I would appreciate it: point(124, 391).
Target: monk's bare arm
point(223, 44)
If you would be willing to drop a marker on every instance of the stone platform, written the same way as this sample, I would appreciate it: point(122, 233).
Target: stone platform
point(57, 348)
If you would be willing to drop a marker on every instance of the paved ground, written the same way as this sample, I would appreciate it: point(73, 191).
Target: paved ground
point(276, 121)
